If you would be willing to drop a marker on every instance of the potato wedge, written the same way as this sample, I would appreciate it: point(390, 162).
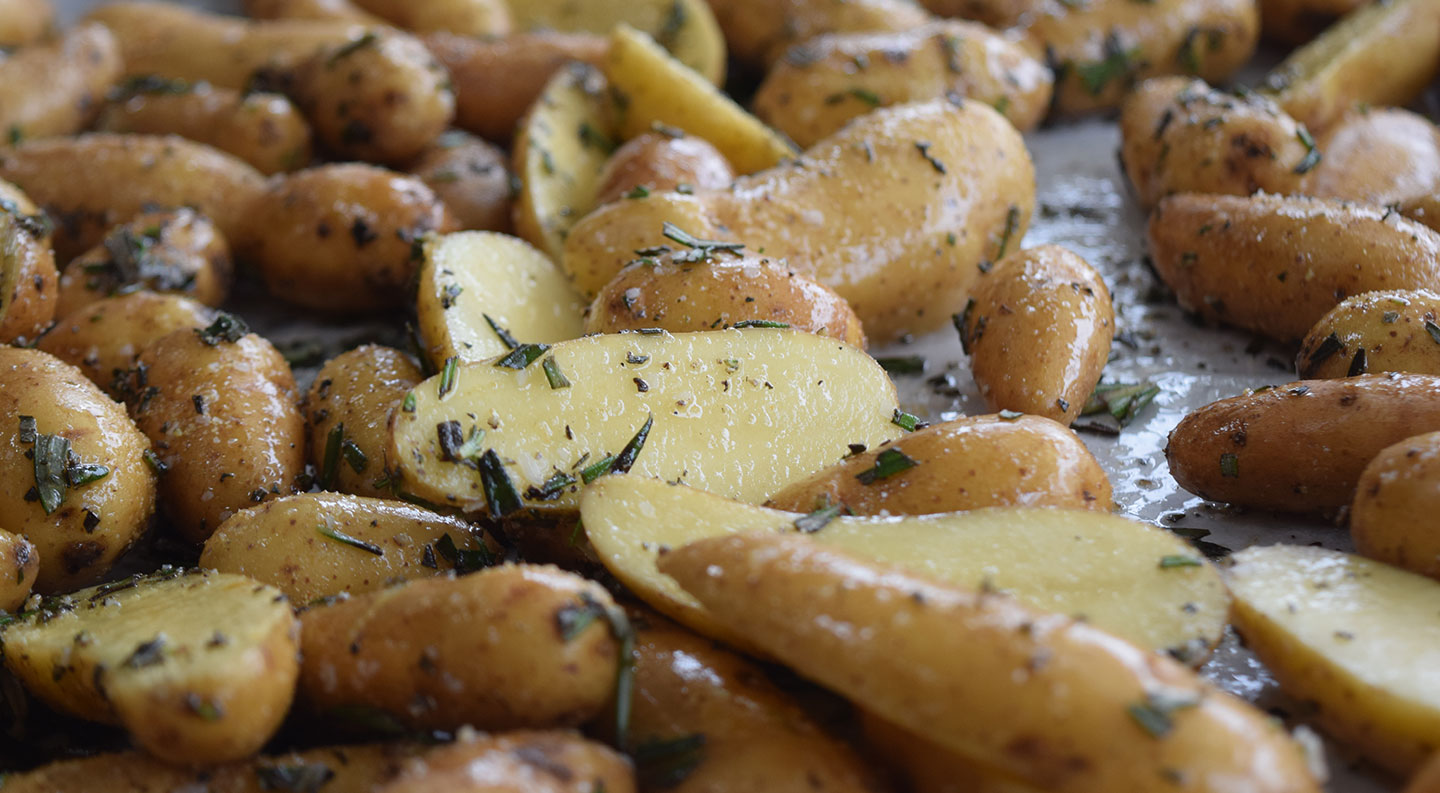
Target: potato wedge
point(199, 667)
point(477, 285)
point(520, 761)
point(57, 89)
point(28, 278)
point(1124, 577)
point(740, 412)
point(1354, 637)
point(1391, 519)
point(1378, 156)
point(982, 674)
point(1374, 332)
point(347, 414)
point(686, 28)
point(655, 88)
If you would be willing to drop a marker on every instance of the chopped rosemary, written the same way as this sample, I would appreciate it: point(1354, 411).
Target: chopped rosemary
point(759, 323)
point(1229, 466)
point(887, 464)
point(329, 532)
point(1178, 560)
point(522, 356)
point(906, 421)
point(500, 496)
point(449, 373)
point(330, 463)
point(553, 374)
point(504, 335)
point(226, 327)
point(819, 519)
point(1312, 154)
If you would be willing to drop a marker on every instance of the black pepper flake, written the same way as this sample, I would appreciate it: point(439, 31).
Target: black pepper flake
point(641, 385)
point(923, 146)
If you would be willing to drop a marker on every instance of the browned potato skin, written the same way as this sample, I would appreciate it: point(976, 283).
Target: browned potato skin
point(279, 543)
point(471, 177)
point(998, 14)
point(1294, 22)
point(91, 183)
point(1424, 209)
point(359, 389)
point(248, 444)
point(717, 293)
point(1380, 156)
point(1427, 779)
point(338, 237)
point(1276, 265)
point(265, 130)
point(969, 463)
point(818, 87)
point(465, 17)
point(662, 162)
point(186, 243)
point(1299, 447)
point(104, 337)
point(1392, 328)
point(930, 768)
point(24, 21)
point(1392, 518)
point(496, 654)
point(521, 761)
point(335, 10)
point(56, 89)
point(65, 403)
point(758, 32)
point(19, 563)
point(382, 98)
point(27, 273)
point(1179, 135)
point(496, 80)
point(1039, 332)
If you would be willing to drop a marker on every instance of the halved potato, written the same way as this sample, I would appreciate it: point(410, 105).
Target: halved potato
point(686, 28)
point(1357, 638)
point(475, 285)
point(1138, 582)
point(740, 412)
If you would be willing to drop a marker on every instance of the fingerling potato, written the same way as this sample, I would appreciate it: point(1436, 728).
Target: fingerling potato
point(24, 21)
point(930, 768)
point(466, 17)
point(1397, 493)
point(520, 761)
point(1295, 22)
point(1374, 332)
point(1380, 156)
point(686, 28)
point(335, 10)
point(28, 279)
point(471, 177)
point(760, 32)
point(661, 162)
point(347, 413)
point(57, 89)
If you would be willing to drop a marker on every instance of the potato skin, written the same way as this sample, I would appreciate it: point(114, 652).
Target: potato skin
point(969, 463)
point(758, 32)
point(1276, 265)
point(225, 423)
point(818, 87)
point(334, 10)
point(717, 293)
point(487, 649)
point(1294, 22)
point(338, 237)
point(24, 21)
point(1038, 333)
point(103, 337)
point(1374, 332)
point(1392, 517)
point(480, 18)
point(57, 89)
point(930, 768)
point(1379, 156)
point(28, 278)
point(520, 761)
point(471, 177)
point(280, 543)
point(19, 563)
point(358, 389)
point(1179, 135)
point(662, 162)
point(1299, 447)
point(91, 183)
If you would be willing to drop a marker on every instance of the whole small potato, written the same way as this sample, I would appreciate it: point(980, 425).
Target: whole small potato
point(1380, 156)
point(348, 414)
point(24, 21)
point(103, 338)
point(1423, 209)
point(1393, 516)
point(219, 404)
point(520, 761)
point(1038, 332)
point(28, 280)
point(77, 482)
point(178, 251)
point(1393, 331)
point(969, 463)
point(1179, 135)
point(759, 32)
point(57, 89)
point(661, 162)
point(471, 177)
point(339, 237)
point(718, 293)
point(1294, 22)
point(19, 563)
point(480, 18)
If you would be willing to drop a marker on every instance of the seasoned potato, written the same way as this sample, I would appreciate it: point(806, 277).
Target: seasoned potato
point(973, 462)
point(78, 486)
point(313, 545)
point(264, 129)
point(1299, 447)
point(1038, 332)
point(337, 10)
point(177, 251)
point(199, 667)
point(930, 768)
point(19, 563)
point(24, 21)
point(1277, 265)
point(56, 89)
point(517, 762)
point(348, 412)
point(497, 80)
point(511, 646)
point(466, 17)
point(103, 337)
point(1294, 22)
point(1179, 135)
point(760, 32)
point(91, 183)
point(823, 84)
point(895, 213)
point(655, 88)
point(1142, 583)
point(1353, 637)
point(1391, 518)
point(661, 162)
point(739, 412)
point(681, 295)
point(979, 673)
point(219, 404)
point(339, 237)
point(1427, 779)
point(28, 279)
point(471, 177)
point(1380, 156)
point(686, 28)
point(1393, 331)
point(998, 14)
point(481, 294)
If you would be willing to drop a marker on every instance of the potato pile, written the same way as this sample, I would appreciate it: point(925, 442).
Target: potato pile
point(637, 510)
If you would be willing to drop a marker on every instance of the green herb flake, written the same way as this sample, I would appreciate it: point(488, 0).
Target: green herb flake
point(759, 323)
point(924, 146)
point(501, 497)
point(626, 458)
point(464, 561)
point(597, 469)
point(819, 519)
point(1229, 466)
point(572, 619)
point(1154, 715)
point(639, 191)
point(906, 421)
point(354, 455)
point(551, 488)
point(350, 48)
point(522, 356)
point(1312, 154)
point(904, 364)
point(329, 532)
point(887, 464)
point(700, 249)
point(1170, 561)
point(408, 403)
point(662, 764)
point(330, 463)
point(1434, 331)
point(226, 328)
point(1012, 224)
point(1123, 401)
point(1117, 64)
point(553, 374)
point(449, 373)
point(503, 334)
point(52, 457)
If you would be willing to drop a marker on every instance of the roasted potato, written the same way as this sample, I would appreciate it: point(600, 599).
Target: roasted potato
point(28, 279)
point(471, 177)
point(1390, 518)
point(686, 28)
point(57, 89)
point(1299, 447)
point(661, 162)
point(24, 21)
point(931, 768)
point(517, 762)
point(760, 32)
point(1295, 22)
point(198, 667)
point(1427, 779)
point(1380, 156)
point(335, 10)
point(1374, 332)
point(467, 17)
point(19, 563)
point(347, 414)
